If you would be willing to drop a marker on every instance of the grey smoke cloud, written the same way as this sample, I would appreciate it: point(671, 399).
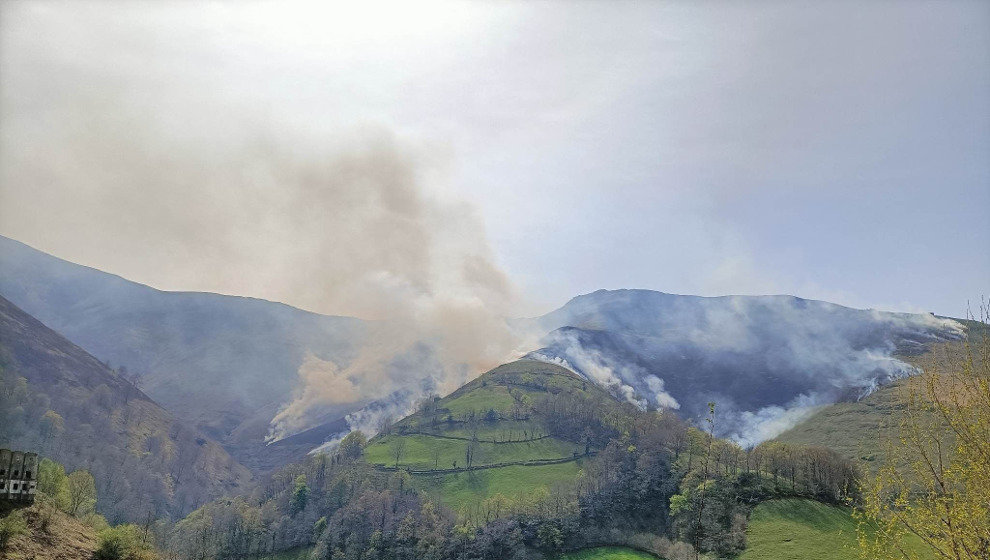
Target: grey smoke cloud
point(150, 146)
point(713, 147)
point(358, 222)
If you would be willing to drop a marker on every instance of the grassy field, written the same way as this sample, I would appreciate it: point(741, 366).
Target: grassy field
point(461, 490)
point(419, 449)
point(528, 381)
point(480, 400)
point(502, 430)
point(606, 553)
point(796, 529)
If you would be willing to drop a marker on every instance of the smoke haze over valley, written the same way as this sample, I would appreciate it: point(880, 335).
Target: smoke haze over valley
point(766, 361)
point(467, 280)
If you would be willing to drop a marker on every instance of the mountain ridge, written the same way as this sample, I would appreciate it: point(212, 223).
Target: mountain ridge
point(218, 360)
point(64, 402)
point(762, 359)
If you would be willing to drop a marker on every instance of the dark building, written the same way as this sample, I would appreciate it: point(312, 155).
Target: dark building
point(18, 476)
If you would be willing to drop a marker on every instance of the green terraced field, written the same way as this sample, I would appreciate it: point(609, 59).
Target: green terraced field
point(607, 553)
point(480, 400)
point(419, 449)
point(796, 529)
point(526, 380)
point(461, 490)
point(503, 430)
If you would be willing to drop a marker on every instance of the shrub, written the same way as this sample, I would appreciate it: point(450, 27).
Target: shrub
point(11, 526)
point(123, 542)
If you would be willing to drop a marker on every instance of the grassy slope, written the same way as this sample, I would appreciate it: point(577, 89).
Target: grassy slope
point(796, 529)
point(854, 429)
point(607, 553)
point(518, 384)
point(859, 430)
point(418, 453)
point(464, 489)
point(65, 539)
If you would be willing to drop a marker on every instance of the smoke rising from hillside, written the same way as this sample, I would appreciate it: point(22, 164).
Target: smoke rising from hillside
point(182, 158)
point(765, 361)
point(359, 223)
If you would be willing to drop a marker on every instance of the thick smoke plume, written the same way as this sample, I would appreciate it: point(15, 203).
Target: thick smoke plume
point(359, 223)
point(415, 263)
point(177, 155)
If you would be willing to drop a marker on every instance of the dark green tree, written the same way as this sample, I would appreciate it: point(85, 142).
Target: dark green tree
point(300, 495)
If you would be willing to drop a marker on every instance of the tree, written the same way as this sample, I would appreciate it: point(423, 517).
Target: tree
point(704, 479)
point(397, 447)
point(319, 527)
point(52, 426)
point(436, 452)
point(300, 495)
point(471, 450)
point(352, 446)
point(934, 483)
point(53, 485)
point(82, 493)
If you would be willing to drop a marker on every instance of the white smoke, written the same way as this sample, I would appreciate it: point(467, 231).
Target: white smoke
point(765, 361)
point(751, 428)
point(660, 397)
point(597, 367)
point(370, 419)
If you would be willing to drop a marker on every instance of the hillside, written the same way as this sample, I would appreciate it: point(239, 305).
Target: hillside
point(857, 428)
point(527, 461)
point(511, 431)
point(51, 535)
point(795, 529)
point(759, 358)
point(64, 403)
point(854, 428)
point(226, 364)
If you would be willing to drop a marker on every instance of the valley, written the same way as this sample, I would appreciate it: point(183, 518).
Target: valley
point(590, 447)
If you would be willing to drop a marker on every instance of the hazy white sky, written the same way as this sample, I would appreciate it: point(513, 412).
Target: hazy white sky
point(832, 150)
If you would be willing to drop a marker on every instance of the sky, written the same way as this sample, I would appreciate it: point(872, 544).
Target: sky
point(510, 155)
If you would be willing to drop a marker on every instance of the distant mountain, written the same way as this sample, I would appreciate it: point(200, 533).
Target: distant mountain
point(64, 403)
point(224, 363)
point(765, 360)
point(228, 364)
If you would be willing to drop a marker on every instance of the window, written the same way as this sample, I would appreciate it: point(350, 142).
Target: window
point(27, 474)
point(14, 487)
